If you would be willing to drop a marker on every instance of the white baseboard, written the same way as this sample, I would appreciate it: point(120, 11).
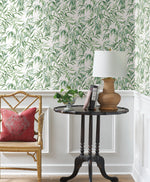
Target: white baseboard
point(68, 169)
point(143, 176)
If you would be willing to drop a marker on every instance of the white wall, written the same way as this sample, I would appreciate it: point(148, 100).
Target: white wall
point(125, 142)
point(61, 140)
point(141, 168)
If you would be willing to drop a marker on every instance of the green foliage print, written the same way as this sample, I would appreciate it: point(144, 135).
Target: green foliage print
point(142, 42)
point(50, 44)
point(24, 45)
point(79, 28)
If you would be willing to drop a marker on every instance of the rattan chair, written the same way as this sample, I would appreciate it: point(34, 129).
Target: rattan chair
point(20, 101)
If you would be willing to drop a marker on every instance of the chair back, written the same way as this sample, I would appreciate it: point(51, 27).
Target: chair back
point(20, 101)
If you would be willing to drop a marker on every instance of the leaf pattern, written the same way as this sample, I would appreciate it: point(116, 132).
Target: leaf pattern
point(50, 44)
point(24, 51)
point(84, 26)
point(142, 50)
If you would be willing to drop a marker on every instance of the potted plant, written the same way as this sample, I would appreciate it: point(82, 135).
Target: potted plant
point(68, 97)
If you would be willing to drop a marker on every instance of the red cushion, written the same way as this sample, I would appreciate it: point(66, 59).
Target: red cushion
point(18, 127)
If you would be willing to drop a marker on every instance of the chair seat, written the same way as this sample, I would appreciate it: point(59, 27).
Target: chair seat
point(18, 146)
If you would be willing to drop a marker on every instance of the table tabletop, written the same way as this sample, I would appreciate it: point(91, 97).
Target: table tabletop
point(78, 110)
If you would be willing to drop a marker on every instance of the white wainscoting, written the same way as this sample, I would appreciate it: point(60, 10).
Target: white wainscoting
point(108, 128)
point(62, 140)
point(141, 167)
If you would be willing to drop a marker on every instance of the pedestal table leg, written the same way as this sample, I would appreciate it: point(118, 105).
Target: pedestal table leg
point(99, 159)
point(90, 147)
point(81, 158)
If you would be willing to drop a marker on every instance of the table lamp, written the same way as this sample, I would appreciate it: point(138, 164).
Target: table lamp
point(109, 64)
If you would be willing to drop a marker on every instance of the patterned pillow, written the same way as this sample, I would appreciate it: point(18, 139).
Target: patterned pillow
point(18, 127)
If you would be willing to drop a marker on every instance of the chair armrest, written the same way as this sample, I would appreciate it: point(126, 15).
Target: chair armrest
point(40, 128)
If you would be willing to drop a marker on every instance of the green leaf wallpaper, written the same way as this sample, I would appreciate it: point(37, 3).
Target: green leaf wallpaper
point(142, 50)
point(78, 28)
point(47, 44)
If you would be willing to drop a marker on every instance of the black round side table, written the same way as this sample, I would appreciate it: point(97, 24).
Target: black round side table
point(78, 110)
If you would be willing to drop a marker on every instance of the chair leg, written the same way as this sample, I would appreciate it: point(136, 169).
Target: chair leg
point(39, 165)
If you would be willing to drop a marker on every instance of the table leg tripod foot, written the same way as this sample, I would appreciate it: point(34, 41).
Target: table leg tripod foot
point(114, 179)
point(78, 163)
point(101, 165)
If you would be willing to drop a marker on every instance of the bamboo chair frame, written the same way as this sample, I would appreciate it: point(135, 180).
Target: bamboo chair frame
point(33, 149)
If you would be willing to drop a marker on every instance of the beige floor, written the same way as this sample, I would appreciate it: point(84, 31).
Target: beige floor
point(122, 178)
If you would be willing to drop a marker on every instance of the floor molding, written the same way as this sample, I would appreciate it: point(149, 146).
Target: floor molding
point(81, 178)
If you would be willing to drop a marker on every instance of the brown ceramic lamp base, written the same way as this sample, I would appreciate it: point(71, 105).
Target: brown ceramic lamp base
point(108, 99)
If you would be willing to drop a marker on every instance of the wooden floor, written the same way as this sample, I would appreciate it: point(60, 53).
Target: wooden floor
point(122, 178)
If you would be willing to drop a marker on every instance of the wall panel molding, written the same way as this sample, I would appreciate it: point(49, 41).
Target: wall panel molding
point(46, 127)
point(141, 165)
point(102, 150)
point(52, 92)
